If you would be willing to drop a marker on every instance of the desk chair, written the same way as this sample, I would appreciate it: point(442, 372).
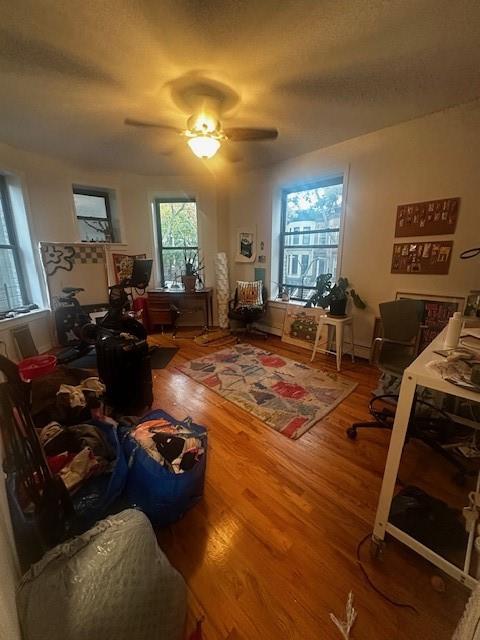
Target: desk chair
point(398, 348)
point(248, 314)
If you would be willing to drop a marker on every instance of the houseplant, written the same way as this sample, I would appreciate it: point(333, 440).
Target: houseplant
point(335, 297)
point(193, 269)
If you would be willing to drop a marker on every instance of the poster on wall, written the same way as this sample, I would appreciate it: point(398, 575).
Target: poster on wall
point(80, 265)
point(427, 258)
point(245, 249)
point(300, 325)
point(123, 265)
point(431, 218)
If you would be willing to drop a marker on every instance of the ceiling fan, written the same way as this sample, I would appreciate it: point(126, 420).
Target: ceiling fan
point(205, 133)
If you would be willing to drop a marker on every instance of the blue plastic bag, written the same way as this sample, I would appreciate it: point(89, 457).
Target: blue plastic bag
point(161, 494)
point(94, 499)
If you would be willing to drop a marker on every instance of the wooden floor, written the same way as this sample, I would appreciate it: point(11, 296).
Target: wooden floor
point(271, 549)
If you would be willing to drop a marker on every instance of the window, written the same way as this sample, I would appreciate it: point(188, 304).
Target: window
point(296, 239)
point(305, 263)
point(294, 265)
point(306, 236)
point(92, 207)
point(311, 220)
point(177, 234)
point(12, 285)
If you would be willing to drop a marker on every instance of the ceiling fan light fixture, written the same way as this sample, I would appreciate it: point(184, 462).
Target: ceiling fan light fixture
point(204, 146)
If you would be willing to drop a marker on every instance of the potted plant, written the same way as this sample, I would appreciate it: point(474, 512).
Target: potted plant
point(335, 297)
point(193, 271)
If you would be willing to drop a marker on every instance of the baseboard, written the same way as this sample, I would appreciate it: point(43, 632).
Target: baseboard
point(268, 329)
point(361, 351)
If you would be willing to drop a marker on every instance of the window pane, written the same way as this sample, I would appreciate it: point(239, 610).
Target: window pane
point(90, 206)
point(302, 269)
point(179, 224)
point(10, 291)
point(329, 237)
point(174, 265)
point(321, 206)
point(94, 230)
point(307, 211)
point(4, 239)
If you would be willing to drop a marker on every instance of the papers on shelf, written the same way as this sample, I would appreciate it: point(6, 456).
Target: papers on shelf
point(470, 338)
point(456, 367)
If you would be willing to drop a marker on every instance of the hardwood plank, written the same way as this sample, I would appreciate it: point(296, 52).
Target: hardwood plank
point(271, 549)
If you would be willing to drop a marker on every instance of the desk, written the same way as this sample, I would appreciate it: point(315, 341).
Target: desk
point(417, 374)
point(159, 299)
point(339, 324)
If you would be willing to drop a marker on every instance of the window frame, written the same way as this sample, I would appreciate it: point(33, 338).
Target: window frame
point(98, 193)
point(13, 239)
point(158, 226)
point(338, 179)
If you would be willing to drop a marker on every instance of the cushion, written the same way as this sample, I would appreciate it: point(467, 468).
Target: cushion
point(249, 293)
point(111, 582)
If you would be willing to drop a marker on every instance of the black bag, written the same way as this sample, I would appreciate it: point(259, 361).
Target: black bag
point(429, 520)
point(123, 363)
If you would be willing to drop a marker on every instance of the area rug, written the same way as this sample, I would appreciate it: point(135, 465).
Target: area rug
point(159, 358)
point(288, 396)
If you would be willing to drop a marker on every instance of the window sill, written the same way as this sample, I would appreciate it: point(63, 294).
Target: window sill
point(23, 318)
point(281, 304)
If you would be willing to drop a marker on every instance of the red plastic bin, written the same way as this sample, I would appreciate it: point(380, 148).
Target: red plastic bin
point(37, 366)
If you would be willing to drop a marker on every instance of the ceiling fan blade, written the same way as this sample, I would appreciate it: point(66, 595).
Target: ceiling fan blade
point(140, 123)
point(230, 154)
point(238, 134)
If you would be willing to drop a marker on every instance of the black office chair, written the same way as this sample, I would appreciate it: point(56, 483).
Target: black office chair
point(247, 315)
point(401, 321)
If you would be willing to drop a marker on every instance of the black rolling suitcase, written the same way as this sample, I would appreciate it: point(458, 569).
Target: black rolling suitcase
point(124, 367)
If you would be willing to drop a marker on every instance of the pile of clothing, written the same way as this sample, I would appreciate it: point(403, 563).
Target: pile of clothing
point(66, 395)
point(173, 446)
point(76, 453)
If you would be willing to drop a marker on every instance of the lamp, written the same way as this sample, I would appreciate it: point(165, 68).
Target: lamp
point(204, 146)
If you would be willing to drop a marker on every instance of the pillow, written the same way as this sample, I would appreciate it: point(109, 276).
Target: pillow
point(111, 582)
point(249, 293)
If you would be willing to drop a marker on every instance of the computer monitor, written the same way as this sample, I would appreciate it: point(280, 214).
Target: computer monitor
point(141, 273)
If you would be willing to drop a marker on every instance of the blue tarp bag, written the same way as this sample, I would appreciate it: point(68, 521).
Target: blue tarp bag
point(94, 499)
point(162, 495)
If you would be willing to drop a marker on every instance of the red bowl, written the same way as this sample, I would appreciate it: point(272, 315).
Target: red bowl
point(37, 366)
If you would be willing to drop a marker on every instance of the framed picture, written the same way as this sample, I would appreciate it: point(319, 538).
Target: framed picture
point(437, 311)
point(245, 250)
point(123, 265)
point(300, 325)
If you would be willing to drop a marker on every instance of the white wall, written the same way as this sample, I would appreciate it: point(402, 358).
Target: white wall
point(431, 157)
point(47, 184)
point(47, 188)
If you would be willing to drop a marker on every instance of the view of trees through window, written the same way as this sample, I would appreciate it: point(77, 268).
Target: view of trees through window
point(177, 235)
point(12, 290)
point(310, 236)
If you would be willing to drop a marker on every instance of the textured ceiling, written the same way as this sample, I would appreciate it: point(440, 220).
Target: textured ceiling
point(321, 71)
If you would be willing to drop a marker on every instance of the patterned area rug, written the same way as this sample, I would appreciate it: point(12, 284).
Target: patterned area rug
point(289, 396)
